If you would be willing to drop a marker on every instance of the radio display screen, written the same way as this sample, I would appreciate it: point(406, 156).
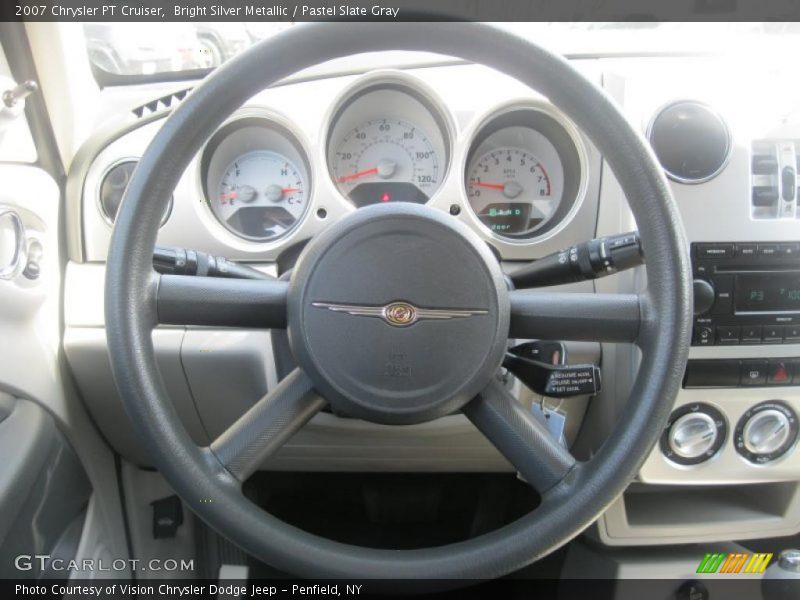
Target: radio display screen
point(768, 292)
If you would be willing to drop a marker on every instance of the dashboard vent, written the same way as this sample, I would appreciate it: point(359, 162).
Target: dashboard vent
point(774, 181)
point(691, 140)
point(112, 189)
point(160, 104)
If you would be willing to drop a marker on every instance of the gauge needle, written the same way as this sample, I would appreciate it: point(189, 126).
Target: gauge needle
point(492, 186)
point(510, 190)
point(275, 192)
point(344, 178)
point(229, 196)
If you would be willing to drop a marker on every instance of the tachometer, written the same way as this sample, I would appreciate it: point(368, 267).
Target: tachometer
point(523, 174)
point(261, 195)
point(386, 160)
point(510, 190)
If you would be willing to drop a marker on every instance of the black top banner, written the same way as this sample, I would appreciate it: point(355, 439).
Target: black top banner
point(399, 10)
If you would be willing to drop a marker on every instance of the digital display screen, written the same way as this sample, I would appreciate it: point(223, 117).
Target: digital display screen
point(508, 217)
point(768, 292)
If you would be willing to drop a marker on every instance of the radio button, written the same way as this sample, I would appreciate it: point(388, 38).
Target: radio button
point(788, 250)
point(773, 334)
point(723, 302)
point(751, 335)
point(746, 249)
point(728, 334)
point(791, 333)
point(704, 335)
point(714, 250)
point(754, 372)
point(768, 249)
point(779, 372)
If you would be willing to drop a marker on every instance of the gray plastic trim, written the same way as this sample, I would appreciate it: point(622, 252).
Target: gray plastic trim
point(714, 514)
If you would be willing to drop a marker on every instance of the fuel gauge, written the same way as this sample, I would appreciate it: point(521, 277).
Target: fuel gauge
point(261, 195)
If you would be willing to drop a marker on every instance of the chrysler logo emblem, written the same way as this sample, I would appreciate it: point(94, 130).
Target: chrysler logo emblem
point(400, 314)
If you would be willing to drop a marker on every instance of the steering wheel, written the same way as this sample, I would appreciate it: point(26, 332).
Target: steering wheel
point(396, 314)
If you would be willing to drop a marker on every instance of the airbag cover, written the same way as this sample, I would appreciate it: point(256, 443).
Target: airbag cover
point(398, 313)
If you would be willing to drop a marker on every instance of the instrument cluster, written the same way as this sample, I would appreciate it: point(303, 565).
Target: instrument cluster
point(516, 173)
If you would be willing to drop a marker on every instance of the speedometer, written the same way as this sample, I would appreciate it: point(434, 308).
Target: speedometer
point(386, 160)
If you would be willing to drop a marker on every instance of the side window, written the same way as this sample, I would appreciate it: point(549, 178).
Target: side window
point(16, 142)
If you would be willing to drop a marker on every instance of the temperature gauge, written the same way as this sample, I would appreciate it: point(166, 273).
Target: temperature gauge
point(261, 195)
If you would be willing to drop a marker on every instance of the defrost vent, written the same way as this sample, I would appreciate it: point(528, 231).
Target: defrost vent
point(159, 104)
point(774, 168)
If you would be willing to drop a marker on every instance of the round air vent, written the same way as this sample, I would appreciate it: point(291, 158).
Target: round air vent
point(691, 141)
point(112, 189)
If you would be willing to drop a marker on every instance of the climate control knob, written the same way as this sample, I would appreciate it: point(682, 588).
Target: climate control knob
point(694, 433)
point(766, 432)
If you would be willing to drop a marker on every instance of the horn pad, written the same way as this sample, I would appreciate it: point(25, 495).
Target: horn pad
point(398, 313)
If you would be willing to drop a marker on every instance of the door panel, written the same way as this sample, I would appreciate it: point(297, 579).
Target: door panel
point(58, 477)
point(44, 491)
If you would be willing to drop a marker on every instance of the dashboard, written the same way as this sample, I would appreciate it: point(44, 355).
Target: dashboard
point(499, 157)
point(273, 175)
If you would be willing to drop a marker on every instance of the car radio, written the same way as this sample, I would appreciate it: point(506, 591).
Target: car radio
point(746, 293)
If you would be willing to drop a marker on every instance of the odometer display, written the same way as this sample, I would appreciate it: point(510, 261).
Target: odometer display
point(508, 217)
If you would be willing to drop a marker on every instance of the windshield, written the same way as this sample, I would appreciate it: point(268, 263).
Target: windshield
point(142, 49)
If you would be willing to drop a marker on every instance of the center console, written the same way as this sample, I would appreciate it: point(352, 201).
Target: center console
point(746, 294)
point(727, 464)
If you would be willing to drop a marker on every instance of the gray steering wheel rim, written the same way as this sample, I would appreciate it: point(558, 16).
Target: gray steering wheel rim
point(568, 508)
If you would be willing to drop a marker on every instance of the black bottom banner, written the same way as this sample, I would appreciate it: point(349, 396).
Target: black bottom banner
point(707, 588)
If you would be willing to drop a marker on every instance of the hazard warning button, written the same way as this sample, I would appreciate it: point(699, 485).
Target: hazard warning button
point(780, 372)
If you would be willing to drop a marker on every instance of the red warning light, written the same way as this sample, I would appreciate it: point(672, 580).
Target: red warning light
point(781, 375)
point(386, 197)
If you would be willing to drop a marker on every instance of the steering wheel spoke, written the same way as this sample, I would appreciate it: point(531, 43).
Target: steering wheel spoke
point(267, 425)
point(523, 440)
point(213, 301)
point(575, 316)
